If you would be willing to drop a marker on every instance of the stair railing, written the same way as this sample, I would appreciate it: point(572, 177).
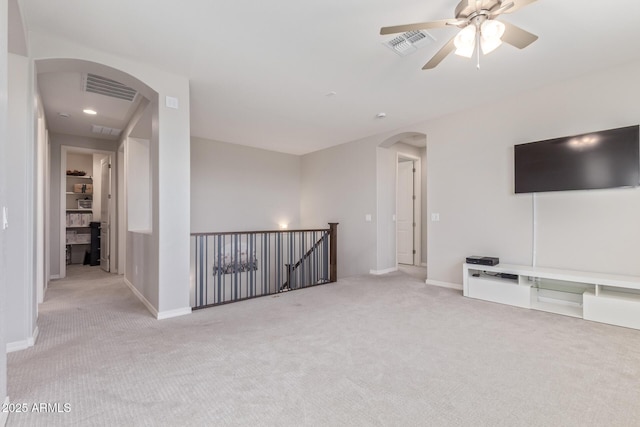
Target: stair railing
point(234, 266)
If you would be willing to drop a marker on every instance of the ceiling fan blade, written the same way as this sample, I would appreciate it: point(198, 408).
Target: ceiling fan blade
point(518, 4)
point(516, 36)
point(421, 26)
point(438, 57)
point(503, 7)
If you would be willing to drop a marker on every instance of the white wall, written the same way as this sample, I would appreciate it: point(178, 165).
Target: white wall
point(469, 167)
point(139, 185)
point(41, 197)
point(238, 188)
point(142, 247)
point(470, 171)
point(4, 145)
point(81, 162)
point(339, 185)
point(20, 317)
point(386, 165)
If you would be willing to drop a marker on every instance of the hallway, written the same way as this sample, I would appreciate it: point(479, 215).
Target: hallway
point(86, 321)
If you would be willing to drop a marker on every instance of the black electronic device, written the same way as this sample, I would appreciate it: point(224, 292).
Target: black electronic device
point(605, 159)
point(482, 260)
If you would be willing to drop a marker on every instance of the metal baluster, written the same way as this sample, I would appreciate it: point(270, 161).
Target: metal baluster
point(224, 275)
point(303, 252)
point(236, 290)
point(269, 263)
point(218, 278)
point(206, 271)
point(264, 263)
point(325, 254)
point(201, 270)
point(251, 263)
point(279, 260)
point(315, 257)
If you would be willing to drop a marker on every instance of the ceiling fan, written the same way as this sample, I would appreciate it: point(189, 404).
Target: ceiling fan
point(479, 29)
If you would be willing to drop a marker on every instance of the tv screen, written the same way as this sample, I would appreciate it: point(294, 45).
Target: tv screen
point(605, 159)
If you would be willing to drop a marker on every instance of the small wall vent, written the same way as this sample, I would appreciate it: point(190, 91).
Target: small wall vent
point(107, 87)
point(409, 42)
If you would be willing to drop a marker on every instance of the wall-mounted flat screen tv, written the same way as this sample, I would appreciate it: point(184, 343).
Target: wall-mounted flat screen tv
point(605, 159)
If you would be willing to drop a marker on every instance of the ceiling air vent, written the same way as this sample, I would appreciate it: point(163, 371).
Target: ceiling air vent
point(108, 87)
point(409, 42)
point(103, 130)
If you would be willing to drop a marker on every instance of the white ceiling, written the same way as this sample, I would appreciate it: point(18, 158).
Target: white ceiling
point(63, 93)
point(260, 71)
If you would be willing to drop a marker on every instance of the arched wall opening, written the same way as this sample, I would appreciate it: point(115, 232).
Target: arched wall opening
point(162, 287)
point(397, 236)
point(72, 106)
point(158, 261)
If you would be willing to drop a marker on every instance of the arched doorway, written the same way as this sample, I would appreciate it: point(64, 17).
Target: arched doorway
point(402, 194)
point(82, 155)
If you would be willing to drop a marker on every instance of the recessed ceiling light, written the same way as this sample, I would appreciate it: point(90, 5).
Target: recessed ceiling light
point(89, 111)
point(332, 93)
point(64, 115)
point(381, 115)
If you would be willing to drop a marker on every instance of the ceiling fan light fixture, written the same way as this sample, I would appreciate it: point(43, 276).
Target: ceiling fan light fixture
point(491, 33)
point(465, 41)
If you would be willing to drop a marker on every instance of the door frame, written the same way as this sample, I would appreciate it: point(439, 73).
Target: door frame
point(64, 150)
point(417, 206)
point(106, 243)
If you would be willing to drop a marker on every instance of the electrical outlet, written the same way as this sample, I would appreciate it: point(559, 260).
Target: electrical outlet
point(435, 217)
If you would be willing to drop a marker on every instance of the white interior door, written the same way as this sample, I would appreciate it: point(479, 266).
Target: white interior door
point(105, 209)
point(405, 212)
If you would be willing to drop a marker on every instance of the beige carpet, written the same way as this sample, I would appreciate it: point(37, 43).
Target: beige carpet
point(381, 351)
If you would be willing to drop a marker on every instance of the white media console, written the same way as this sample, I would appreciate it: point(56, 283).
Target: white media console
point(598, 297)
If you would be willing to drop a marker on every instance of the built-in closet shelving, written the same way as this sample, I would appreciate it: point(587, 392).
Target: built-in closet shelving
point(79, 214)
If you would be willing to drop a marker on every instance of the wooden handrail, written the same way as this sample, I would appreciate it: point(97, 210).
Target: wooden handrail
point(226, 233)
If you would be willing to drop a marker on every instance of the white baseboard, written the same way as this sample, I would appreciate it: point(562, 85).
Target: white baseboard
point(423, 264)
point(36, 332)
point(17, 346)
point(443, 284)
point(385, 271)
point(141, 297)
point(173, 313)
point(4, 415)
point(24, 344)
point(55, 277)
point(158, 315)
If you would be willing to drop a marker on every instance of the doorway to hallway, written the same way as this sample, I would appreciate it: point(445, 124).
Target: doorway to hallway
point(408, 210)
point(85, 207)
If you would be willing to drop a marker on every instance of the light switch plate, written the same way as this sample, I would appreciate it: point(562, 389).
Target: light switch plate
point(367, 217)
point(172, 102)
point(5, 217)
